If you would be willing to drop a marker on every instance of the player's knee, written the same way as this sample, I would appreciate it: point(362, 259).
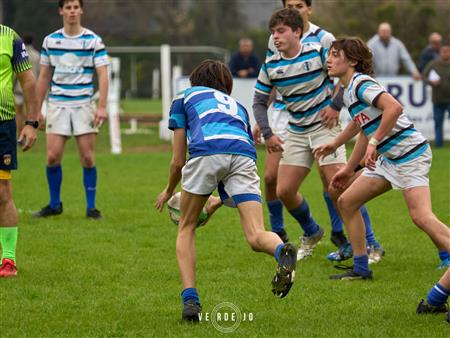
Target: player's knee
point(52, 159)
point(270, 179)
point(345, 204)
point(284, 193)
point(422, 219)
point(5, 194)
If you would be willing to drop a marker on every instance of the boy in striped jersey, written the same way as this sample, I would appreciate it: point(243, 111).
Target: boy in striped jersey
point(13, 60)
point(69, 58)
point(384, 129)
point(298, 73)
point(312, 34)
point(221, 156)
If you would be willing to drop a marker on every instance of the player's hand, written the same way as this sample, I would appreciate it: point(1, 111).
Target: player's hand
point(341, 178)
point(274, 144)
point(257, 134)
point(371, 156)
point(163, 197)
point(330, 117)
point(100, 117)
point(417, 76)
point(27, 137)
point(324, 150)
point(41, 121)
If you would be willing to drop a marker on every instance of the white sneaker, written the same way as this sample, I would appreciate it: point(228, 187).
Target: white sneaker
point(308, 243)
point(375, 254)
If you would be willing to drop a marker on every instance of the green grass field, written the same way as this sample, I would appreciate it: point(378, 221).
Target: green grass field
point(142, 106)
point(119, 278)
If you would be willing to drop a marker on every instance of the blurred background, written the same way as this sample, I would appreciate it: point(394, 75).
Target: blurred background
point(217, 23)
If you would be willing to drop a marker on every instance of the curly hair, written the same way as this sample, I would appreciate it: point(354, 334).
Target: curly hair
point(356, 50)
point(213, 74)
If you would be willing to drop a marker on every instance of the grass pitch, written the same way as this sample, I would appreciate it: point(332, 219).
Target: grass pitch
point(119, 278)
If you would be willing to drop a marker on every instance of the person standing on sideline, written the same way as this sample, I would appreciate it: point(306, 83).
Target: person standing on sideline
point(437, 74)
point(69, 58)
point(33, 57)
point(431, 52)
point(389, 53)
point(244, 63)
point(222, 156)
point(13, 60)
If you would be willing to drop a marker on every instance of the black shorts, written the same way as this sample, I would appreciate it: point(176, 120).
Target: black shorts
point(8, 145)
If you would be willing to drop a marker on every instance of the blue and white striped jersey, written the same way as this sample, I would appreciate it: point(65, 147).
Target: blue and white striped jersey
point(314, 35)
point(215, 123)
point(303, 84)
point(403, 143)
point(73, 60)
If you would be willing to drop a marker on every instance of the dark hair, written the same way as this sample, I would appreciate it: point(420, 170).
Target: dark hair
point(61, 3)
point(287, 16)
point(27, 38)
point(356, 50)
point(307, 2)
point(213, 74)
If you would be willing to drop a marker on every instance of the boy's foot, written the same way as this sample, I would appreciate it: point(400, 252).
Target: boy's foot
point(375, 254)
point(284, 277)
point(93, 214)
point(8, 268)
point(424, 308)
point(351, 275)
point(345, 252)
point(338, 238)
point(308, 243)
point(48, 211)
point(191, 310)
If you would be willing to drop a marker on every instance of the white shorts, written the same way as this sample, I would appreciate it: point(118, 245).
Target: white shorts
point(234, 176)
point(404, 175)
point(279, 121)
point(68, 121)
point(298, 148)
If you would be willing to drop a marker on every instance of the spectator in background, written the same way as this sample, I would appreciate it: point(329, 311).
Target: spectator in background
point(33, 58)
point(245, 64)
point(437, 74)
point(389, 53)
point(431, 52)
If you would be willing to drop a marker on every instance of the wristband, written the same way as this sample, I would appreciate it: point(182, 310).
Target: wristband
point(373, 141)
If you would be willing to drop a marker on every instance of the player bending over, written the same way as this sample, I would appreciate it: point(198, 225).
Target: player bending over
point(221, 156)
point(404, 161)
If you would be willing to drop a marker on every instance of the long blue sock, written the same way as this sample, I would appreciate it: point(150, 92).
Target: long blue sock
point(336, 222)
point(361, 265)
point(276, 215)
point(304, 218)
point(190, 293)
point(90, 186)
point(444, 255)
point(370, 236)
point(277, 251)
point(438, 295)
point(54, 179)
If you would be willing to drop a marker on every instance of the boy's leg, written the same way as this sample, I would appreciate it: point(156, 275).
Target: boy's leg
point(362, 190)
point(418, 200)
point(275, 206)
point(8, 227)
point(437, 297)
point(190, 207)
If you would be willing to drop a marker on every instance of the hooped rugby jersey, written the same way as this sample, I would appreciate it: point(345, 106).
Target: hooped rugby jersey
point(73, 60)
point(215, 123)
point(303, 84)
point(13, 59)
point(314, 35)
point(403, 143)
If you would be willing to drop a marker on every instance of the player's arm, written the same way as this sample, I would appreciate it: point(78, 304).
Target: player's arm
point(100, 114)
point(28, 84)
point(179, 147)
point(346, 135)
point(43, 82)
